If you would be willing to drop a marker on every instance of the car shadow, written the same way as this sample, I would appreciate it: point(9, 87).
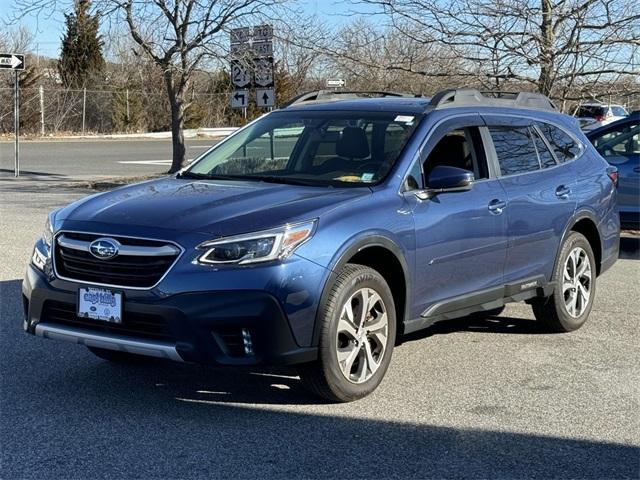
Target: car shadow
point(32, 173)
point(490, 324)
point(629, 247)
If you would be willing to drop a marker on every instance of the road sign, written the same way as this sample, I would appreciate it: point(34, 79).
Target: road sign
point(335, 83)
point(263, 72)
point(262, 33)
point(251, 62)
point(240, 73)
point(11, 61)
point(241, 35)
point(265, 97)
point(239, 99)
point(262, 49)
point(240, 50)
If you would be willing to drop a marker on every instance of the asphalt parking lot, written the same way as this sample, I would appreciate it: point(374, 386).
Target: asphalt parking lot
point(492, 398)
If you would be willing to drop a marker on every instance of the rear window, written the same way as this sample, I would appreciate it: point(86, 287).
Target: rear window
point(515, 149)
point(562, 144)
point(590, 111)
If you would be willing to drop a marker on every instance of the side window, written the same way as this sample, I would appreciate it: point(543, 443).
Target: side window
point(563, 145)
point(414, 179)
point(515, 150)
point(544, 155)
point(461, 148)
point(622, 140)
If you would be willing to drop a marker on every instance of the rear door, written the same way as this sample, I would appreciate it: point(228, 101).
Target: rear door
point(540, 196)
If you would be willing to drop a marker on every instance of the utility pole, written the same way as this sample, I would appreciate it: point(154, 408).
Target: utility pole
point(14, 62)
point(16, 121)
point(41, 90)
point(84, 107)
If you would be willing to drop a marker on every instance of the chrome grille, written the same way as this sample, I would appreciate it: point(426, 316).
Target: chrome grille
point(140, 263)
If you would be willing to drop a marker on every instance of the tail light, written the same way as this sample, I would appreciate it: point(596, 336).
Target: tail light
point(612, 173)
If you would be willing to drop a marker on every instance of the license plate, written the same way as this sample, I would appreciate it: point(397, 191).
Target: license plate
point(100, 304)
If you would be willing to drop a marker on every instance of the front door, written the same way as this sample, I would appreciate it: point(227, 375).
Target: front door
point(460, 236)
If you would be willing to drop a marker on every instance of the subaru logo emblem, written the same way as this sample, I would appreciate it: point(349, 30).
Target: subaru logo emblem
point(104, 248)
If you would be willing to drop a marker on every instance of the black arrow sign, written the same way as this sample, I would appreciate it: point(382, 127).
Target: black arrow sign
point(265, 97)
point(238, 96)
point(11, 61)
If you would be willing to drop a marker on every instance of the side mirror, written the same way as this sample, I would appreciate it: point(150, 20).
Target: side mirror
point(446, 179)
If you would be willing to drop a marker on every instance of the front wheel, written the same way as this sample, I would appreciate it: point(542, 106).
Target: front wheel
point(574, 280)
point(357, 335)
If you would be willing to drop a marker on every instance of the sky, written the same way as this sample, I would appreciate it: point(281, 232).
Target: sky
point(49, 26)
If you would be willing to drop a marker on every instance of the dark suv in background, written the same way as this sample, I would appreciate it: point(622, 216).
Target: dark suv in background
point(322, 232)
point(619, 145)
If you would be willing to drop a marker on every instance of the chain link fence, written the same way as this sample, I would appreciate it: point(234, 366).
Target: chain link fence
point(50, 111)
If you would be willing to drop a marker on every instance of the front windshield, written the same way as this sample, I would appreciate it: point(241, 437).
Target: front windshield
point(311, 148)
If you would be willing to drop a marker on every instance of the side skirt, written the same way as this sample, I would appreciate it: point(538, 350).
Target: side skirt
point(483, 300)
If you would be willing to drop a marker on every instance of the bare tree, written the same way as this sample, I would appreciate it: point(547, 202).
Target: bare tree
point(178, 36)
point(373, 57)
point(548, 44)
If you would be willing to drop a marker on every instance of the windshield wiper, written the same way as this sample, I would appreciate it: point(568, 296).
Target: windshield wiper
point(189, 174)
point(208, 176)
point(255, 178)
point(286, 180)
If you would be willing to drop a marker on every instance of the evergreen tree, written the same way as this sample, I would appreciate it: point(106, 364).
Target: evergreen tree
point(81, 61)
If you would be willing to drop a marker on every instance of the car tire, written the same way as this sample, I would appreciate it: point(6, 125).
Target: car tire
point(117, 356)
point(354, 348)
point(574, 287)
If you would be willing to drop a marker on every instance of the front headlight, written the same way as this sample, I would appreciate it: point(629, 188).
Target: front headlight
point(264, 246)
point(47, 234)
point(42, 249)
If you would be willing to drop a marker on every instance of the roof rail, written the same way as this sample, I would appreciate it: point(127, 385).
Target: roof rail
point(464, 97)
point(328, 95)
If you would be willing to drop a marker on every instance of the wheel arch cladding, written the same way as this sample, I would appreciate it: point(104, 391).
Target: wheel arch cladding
point(386, 264)
point(588, 228)
point(382, 255)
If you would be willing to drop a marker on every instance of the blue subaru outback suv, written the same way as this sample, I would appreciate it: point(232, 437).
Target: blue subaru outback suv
point(322, 232)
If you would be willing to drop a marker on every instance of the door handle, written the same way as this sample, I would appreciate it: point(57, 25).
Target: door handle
point(496, 206)
point(637, 169)
point(563, 192)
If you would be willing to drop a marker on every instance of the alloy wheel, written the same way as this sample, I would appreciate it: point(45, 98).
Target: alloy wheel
point(576, 282)
point(361, 341)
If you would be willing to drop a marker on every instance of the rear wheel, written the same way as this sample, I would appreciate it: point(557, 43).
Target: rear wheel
point(117, 356)
point(357, 334)
point(574, 280)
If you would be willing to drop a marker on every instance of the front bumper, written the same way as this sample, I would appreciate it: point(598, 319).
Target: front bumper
point(203, 327)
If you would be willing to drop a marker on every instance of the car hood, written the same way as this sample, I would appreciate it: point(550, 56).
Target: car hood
point(220, 208)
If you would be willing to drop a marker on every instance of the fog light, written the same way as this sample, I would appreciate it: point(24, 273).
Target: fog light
point(248, 344)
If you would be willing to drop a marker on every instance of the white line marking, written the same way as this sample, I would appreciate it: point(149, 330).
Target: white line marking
point(149, 162)
point(146, 162)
